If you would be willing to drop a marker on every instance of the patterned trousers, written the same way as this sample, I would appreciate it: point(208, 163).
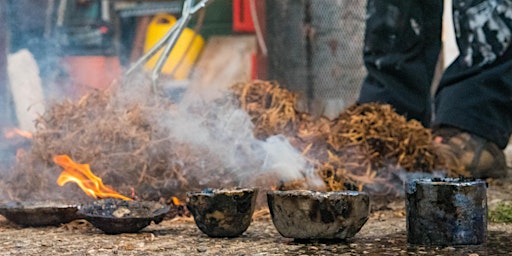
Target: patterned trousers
point(402, 45)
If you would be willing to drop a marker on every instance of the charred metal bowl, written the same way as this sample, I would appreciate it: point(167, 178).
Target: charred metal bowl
point(40, 213)
point(114, 216)
point(304, 214)
point(222, 212)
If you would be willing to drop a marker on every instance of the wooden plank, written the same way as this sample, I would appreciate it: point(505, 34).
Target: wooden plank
point(224, 61)
point(260, 26)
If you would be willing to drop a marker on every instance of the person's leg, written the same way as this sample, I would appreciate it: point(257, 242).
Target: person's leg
point(475, 93)
point(401, 48)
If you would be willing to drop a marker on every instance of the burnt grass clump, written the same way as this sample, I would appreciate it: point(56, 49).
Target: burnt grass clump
point(125, 144)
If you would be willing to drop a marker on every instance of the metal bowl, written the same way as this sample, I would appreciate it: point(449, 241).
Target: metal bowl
point(40, 213)
point(114, 216)
point(304, 214)
point(222, 212)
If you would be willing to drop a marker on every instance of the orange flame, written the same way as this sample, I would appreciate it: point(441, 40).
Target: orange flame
point(82, 175)
point(9, 134)
point(176, 201)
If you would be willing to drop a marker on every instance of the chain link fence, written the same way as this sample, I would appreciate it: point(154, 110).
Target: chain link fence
point(315, 49)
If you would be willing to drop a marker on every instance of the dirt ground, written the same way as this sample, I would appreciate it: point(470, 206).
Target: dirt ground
point(383, 234)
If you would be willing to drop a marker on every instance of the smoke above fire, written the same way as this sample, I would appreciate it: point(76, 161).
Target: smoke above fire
point(197, 142)
point(221, 130)
point(189, 144)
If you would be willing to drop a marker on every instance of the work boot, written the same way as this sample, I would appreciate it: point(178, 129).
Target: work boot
point(460, 150)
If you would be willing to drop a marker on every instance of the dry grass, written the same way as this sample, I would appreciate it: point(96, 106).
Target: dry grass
point(127, 148)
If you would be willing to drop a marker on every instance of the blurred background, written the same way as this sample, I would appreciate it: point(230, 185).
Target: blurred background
point(51, 50)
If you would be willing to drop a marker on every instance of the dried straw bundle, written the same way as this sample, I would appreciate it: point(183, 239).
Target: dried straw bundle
point(119, 140)
point(271, 108)
point(124, 144)
point(349, 150)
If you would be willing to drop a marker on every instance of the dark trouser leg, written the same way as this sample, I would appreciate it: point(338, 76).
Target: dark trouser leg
point(475, 93)
point(402, 44)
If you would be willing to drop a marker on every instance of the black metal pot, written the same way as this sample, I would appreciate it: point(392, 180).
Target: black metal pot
point(40, 213)
point(114, 216)
point(305, 214)
point(222, 212)
point(446, 211)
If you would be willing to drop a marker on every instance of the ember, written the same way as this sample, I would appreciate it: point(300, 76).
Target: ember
point(9, 134)
point(82, 175)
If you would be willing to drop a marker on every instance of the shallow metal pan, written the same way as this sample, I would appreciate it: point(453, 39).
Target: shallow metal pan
point(40, 213)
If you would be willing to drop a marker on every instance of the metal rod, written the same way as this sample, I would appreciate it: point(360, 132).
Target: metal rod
point(165, 54)
point(161, 43)
point(197, 28)
point(168, 40)
point(199, 6)
point(185, 17)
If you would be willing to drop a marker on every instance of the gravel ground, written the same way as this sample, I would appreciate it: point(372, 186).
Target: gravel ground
point(383, 234)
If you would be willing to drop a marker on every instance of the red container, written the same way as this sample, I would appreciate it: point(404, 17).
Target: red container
point(242, 18)
point(87, 73)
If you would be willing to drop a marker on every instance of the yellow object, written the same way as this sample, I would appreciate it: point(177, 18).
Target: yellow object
point(183, 55)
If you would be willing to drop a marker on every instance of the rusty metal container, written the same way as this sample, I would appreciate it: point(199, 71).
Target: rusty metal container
point(40, 213)
point(115, 216)
point(310, 215)
point(446, 211)
point(223, 212)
